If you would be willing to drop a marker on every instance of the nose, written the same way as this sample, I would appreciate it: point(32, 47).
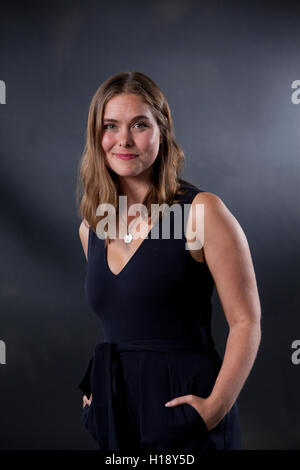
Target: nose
point(125, 138)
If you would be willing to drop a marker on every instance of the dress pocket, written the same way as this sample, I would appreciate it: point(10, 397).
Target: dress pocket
point(84, 412)
point(191, 428)
point(89, 421)
point(217, 434)
point(194, 415)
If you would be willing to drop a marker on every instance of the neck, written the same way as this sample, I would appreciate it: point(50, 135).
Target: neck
point(135, 188)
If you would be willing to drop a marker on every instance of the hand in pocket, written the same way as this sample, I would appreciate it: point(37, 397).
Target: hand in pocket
point(86, 401)
point(209, 413)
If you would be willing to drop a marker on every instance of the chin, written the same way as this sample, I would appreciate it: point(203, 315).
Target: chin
point(125, 172)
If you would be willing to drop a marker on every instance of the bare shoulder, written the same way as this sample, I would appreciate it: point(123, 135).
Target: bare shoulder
point(217, 215)
point(228, 257)
point(84, 235)
point(210, 199)
point(207, 213)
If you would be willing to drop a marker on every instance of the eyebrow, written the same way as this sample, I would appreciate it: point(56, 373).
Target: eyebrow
point(133, 119)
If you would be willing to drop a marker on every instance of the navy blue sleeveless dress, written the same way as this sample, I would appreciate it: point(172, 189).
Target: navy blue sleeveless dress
point(157, 345)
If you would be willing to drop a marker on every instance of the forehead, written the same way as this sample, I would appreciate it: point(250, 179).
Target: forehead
point(128, 103)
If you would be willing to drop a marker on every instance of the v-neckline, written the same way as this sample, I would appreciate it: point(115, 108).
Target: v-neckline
point(133, 255)
point(139, 248)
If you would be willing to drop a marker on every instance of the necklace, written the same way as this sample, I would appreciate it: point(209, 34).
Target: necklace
point(128, 237)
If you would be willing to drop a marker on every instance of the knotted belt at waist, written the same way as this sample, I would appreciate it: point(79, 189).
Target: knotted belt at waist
point(102, 376)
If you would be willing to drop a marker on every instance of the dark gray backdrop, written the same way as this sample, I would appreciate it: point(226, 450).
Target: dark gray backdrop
point(226, 69)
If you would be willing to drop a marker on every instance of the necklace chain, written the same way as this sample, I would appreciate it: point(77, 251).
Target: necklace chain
point(128, 237)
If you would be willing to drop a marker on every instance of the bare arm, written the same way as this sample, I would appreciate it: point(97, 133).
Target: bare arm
point(84, 236)
point(229, 260)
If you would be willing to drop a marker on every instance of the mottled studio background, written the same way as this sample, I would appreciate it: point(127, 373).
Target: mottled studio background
point(226, 68)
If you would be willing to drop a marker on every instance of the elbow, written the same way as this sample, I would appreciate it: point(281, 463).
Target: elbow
point(251, 325)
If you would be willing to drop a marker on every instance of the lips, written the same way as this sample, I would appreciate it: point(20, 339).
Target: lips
point(126, 156)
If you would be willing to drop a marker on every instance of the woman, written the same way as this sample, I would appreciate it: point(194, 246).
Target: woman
point(157, 381)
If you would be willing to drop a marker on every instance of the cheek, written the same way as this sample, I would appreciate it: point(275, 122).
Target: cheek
point(148, 142)
point(107, 142)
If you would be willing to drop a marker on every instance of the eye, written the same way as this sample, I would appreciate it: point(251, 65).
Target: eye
point(142, 123)
point(106, 126)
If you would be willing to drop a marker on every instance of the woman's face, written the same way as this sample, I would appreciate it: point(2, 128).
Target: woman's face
point(129, 127)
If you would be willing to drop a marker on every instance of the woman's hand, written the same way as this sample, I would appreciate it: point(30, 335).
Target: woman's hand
point(86, 401)
point(209, 412)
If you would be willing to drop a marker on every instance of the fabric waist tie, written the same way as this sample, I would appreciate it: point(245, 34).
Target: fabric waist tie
point(102, 376)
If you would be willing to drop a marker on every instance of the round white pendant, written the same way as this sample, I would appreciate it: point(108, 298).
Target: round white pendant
point(128, 238)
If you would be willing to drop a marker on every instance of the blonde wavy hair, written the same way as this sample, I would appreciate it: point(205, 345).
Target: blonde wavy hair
point(96, 182)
